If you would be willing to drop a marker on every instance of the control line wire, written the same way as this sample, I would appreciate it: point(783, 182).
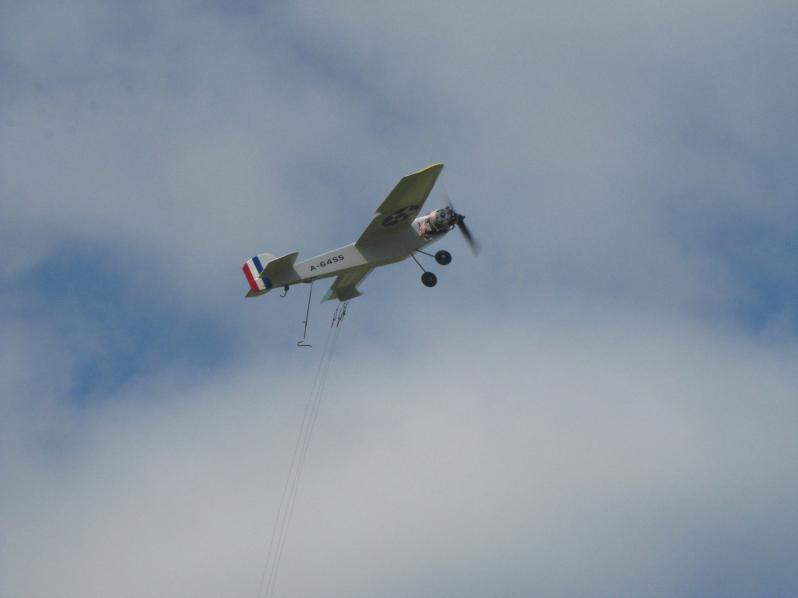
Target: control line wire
point(302, 458)
point(269, 575)
point(290, 492)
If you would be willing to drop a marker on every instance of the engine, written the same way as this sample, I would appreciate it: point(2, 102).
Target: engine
point(437, 221)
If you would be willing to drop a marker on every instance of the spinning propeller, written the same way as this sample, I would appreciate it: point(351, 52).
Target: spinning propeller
point(460, 223)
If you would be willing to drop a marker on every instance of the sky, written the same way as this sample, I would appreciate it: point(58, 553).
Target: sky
point(603, 403)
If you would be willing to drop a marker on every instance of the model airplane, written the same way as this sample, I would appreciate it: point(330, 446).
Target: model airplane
point(395, 233)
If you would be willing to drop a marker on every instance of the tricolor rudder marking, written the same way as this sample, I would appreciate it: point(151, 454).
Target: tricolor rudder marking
point(252, 269)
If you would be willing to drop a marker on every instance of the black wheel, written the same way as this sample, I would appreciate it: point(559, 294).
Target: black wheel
point(429, 279)
point(443, 257)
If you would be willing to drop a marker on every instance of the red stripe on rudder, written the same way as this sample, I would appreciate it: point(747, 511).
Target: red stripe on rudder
point(251, 279)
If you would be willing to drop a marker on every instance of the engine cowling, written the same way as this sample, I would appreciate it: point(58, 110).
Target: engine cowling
point(437, 221)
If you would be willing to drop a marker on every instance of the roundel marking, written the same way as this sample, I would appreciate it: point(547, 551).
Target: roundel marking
point(400, 215)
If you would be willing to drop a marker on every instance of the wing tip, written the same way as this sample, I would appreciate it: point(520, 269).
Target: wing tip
point(435, 166)
point(332, 294)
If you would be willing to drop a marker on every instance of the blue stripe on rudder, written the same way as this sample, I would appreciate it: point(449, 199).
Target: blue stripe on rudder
point(258, 265)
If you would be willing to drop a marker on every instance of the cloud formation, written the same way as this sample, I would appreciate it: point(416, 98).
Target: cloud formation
point(602, 404)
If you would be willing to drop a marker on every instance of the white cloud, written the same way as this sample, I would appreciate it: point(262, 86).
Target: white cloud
point(584, 141)
point(577, 412)
point(555, 457)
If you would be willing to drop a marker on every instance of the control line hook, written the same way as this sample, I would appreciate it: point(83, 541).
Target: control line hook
point(302, 343)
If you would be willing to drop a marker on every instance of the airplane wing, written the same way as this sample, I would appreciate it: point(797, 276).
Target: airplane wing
point(345, 286)
point(401, 206)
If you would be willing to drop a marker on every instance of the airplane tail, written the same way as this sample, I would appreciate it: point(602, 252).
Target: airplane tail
point(252, 271)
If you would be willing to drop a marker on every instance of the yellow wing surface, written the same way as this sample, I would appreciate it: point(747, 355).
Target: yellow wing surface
point(345, 286)
point(401, 206)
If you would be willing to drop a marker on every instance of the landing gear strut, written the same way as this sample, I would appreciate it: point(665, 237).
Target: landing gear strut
point(428, 278)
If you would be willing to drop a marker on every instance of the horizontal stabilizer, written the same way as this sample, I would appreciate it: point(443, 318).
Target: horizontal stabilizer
point(251, 293)
point(280, 267)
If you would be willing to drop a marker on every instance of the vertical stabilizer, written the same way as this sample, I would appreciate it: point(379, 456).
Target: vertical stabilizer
point(253, 268)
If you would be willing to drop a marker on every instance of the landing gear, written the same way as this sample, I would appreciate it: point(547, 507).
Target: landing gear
point(429, 279)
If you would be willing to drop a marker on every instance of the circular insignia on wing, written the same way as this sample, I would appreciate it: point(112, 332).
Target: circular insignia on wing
point(400, 215)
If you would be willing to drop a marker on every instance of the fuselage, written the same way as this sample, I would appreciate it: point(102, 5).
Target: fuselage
point(394, 249)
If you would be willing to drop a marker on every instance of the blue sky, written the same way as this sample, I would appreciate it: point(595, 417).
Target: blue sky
point(604, 403)
point(114, 330)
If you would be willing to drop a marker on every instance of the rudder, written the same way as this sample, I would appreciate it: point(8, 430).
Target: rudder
point(252, 271)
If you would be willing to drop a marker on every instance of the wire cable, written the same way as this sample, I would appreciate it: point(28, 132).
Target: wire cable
point(316, 406)
point(290, 492)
